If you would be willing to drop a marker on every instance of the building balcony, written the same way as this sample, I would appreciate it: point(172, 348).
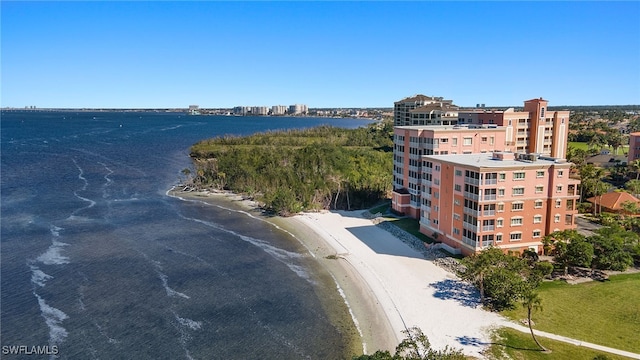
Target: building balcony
point(488, 212)
point(469, 242)
point(425, 195)
point(472, 196)
point(470, 212)
point(489, 197)
point(470, 227)
point(488, 227)
point(472, 181)
point(490, 181)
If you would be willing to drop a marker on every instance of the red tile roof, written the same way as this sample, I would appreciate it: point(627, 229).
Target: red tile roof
point(613, 200)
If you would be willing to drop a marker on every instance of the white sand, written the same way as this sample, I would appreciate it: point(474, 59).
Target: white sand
point(406, 288)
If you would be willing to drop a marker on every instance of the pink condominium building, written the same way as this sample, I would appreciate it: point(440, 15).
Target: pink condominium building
point(502, 199)
point(496, 178)
point(634, 147)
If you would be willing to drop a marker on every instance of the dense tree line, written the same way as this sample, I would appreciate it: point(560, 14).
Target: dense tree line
point(610, 248)
point(503, 279)
point(295, 170)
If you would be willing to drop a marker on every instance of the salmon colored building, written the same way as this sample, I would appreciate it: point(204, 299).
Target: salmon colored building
point(533, 130)
point(527, 147)
point(412, 142)
point(506, 200)
point(634, 147)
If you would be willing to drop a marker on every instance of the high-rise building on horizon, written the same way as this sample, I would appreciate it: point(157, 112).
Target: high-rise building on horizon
point(424, 110)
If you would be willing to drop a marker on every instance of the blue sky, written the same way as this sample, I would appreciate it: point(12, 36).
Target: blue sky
point(323, 54)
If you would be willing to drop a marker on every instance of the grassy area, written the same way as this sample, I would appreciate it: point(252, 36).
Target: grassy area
point(605, 313)
point(579, 145)
point(412, 226)
point(584, 146)
point(512, 344)
point(381, 208)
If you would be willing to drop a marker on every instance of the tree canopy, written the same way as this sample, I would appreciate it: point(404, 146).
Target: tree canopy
point(295, 170)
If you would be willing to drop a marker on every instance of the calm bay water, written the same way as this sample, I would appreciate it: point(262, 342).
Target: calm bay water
point(98, 261)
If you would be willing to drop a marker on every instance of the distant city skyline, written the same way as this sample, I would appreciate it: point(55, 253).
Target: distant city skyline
point(324, 54)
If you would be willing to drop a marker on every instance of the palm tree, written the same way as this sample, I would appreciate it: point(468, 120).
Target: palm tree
point(615, 140)
point(597, 142)
point(635, 167)
point(590, 175)
point(532, 302)
point(633, 186)
point(600, 188)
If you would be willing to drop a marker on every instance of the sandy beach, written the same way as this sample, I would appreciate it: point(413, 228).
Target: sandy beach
point(387, 285)
point(391, 287)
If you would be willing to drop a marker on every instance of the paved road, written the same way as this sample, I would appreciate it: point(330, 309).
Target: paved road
point(586, 227)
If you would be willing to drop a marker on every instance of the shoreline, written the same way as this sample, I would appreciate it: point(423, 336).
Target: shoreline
point(386, 285)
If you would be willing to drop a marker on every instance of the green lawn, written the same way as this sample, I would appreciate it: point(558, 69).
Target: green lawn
point(584, 146)
point(605, 313)
point(381, 208)
point(512, 344)
point(412, 226)
point(579, 145)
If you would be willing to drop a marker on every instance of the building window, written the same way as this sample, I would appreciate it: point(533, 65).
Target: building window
point(538, 204)
point(456, 202)
point(519, 206)
point(456, 231)
point(556, 219)
point(539, 174)
point(457, 187)
point(492, 140)
point(437, 167)
point(498, 238)
point(500, 192)
point(558, 203)
point(516, 221)
point(537, 219)
point(536, 233)
point(444, 140)
point(518, 175)
point(518, 191)
point(500, 207)
point(516, 236)
point(483, 139)
point(467, 141)
point(454, 141)
point(560, 173)
point(456, 216)
point(502, 176)
point(539, 189)
point(568, 219)
point(559, 188)
point(542, 113)
point(458, 172)
point(499, 222)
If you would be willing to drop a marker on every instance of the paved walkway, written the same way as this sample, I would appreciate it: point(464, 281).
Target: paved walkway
point(574, 341)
